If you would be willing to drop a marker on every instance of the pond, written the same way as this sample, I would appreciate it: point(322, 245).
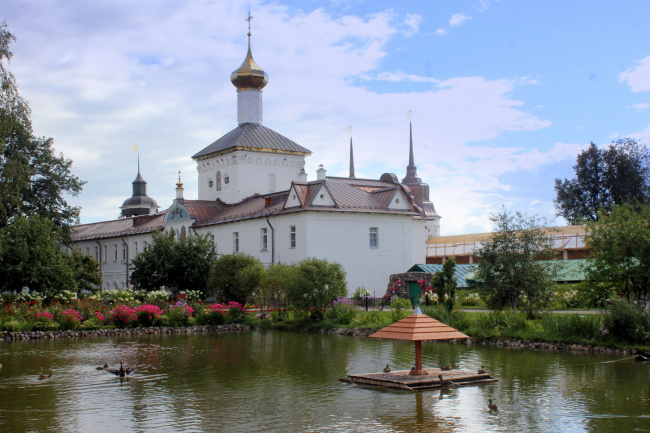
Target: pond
point(270, 381)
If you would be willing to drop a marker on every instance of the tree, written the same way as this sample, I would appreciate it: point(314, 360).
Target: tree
point(31, 256)
point(509, 268)
point(620, 251)
point(273, 285)
point(176, 263)
point(605, 177)
point(445, 284)
point(33, 179)
point(316, 284)
point(234, 277)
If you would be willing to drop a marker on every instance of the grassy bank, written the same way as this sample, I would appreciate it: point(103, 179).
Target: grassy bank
point(492, 326)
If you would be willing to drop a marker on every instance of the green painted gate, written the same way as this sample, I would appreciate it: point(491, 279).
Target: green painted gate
point(414, 292)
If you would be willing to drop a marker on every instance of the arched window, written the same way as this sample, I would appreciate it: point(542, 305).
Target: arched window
point(182, 232)
point(218, 181)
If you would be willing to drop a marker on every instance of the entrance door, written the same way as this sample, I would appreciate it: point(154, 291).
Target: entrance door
point(414, 293)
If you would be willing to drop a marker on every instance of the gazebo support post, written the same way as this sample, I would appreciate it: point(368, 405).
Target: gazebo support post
point(418, 371)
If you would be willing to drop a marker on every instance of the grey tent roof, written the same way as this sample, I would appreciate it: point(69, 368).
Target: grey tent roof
point(253, 136)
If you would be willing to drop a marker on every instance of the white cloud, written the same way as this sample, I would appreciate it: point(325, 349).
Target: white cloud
point(458, 19)
point(638, 78)
point(442, 31)
point(102, 77)
point(412, 22)
point(639, 107)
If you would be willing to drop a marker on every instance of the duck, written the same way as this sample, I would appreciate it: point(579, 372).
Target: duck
point(42, 376)
point(103, 368)
point(491, 405)
point(482, 370)
point(446, 367)
point(387, 369)
point(119, 372)
point(446, 383)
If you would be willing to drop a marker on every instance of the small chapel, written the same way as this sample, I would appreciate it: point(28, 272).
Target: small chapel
point(255, 197)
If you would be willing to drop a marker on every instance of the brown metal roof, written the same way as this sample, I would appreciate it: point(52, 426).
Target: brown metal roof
point(119, 227)
point(418, 327)
point(253, 136)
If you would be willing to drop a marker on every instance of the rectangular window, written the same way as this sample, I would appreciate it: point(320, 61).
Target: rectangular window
point(265, 239)
point(115, 256)
point(271, 183)
point(235, 242)
point(374, 237)
point(105, 253)
point(135, 249)
point(123, 252)
point(292, 236)
point(97, 254)
point(87, 251)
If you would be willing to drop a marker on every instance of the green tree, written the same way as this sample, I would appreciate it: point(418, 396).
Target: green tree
point(273, 285)
point(31, 256)
point(316, 285)
point(508, 262)
point(234, 277)
point(620, 251)
point(86, 272)
point(175, 263)
point(445, 284)
point(605, 177)
point(33, 179)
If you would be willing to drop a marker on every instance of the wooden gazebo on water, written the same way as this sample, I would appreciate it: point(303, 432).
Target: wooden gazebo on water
point(419, 327)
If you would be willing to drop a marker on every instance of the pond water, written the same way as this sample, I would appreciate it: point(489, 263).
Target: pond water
point(269, 381)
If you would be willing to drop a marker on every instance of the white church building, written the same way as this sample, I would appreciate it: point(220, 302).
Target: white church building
point(254, 197)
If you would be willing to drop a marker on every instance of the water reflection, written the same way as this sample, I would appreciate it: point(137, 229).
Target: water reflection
point(272, 381)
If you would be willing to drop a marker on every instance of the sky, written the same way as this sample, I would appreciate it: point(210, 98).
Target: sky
point(503, 95)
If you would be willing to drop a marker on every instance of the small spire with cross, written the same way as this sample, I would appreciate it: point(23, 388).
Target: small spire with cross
point(250, 17)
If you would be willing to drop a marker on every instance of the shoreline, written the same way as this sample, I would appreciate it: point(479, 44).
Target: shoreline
point(351, 332)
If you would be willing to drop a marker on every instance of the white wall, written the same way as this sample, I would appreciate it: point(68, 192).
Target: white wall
point(248, 173)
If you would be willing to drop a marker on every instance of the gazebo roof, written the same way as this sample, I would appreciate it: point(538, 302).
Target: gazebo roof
point(418, 327)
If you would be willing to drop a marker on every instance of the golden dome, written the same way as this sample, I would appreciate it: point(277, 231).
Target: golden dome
point(249, 75)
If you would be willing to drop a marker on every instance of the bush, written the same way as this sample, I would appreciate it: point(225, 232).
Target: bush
point(44, 321)
point(369, 319)
point(400, 308)
point(92, 324)
point(147, 314)
point(178, 314)
point(344, 310)
point(236, 313)
point(624, 321)
point(360, 293)
point(234, 277)
point(208, 317)
point(316, 284)
point(65, 297)
point(70, 319)
point(471, 300)
point(191, 295)
point(572, 326)
point(123, 316)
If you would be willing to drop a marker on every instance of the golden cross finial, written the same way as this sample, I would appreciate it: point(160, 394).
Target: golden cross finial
point(408, 114)
point(179, 176)
point(350, 129)
point(250, 17)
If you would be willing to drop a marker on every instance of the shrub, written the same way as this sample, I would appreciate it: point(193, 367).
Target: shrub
point(147, 314)
point(360, 293)
point(92, 324)
point(123, 316)
point(369, 319)
point(14, 325)
point(70, 319)
point(34, 298)
point(572, 326)
point(210, 317)
point(65, 297)
point(343, 310)
point(44, 321)
point(191, 295)
point(236, 313)
point(179, 314)
point(400, 308)
point(158, 297)
point(121, 296)
point(624, 321)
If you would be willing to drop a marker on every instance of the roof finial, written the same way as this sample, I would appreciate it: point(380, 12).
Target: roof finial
point(250, 17)
point(179, 184)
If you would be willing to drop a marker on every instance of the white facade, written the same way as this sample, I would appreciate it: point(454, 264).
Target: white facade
point(239, 174)
point(249, 106)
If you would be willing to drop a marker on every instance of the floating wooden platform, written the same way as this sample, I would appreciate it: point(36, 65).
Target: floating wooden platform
point(402, 380)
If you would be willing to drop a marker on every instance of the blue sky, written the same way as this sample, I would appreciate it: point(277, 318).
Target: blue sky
point(503, 94)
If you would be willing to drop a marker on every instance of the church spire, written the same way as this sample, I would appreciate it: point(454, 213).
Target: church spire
point(351, 160)
point(411, 169)
point(249, 79)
